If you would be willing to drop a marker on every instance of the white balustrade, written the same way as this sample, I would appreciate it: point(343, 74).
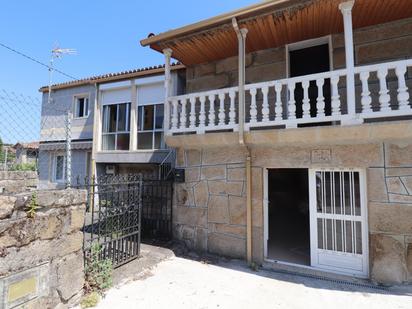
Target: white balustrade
point(291, 104)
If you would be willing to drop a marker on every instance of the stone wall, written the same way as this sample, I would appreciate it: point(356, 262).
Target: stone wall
point(210, 207)
point(17, 181)
point(41, 258)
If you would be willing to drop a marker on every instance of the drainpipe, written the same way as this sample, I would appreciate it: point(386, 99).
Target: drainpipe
point(241, 36)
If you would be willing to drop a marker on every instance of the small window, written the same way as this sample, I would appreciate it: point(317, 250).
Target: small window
point(59, 168)
point(116, 128)
point(81, 109)
point(150, 127)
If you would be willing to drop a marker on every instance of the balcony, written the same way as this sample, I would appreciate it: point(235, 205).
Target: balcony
point(381, 91)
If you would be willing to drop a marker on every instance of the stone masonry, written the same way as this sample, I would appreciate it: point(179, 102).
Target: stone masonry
point(17, 181)
point(47, 247)
point(210, 207)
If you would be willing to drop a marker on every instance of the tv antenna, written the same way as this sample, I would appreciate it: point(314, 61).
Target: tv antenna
point(57, 53)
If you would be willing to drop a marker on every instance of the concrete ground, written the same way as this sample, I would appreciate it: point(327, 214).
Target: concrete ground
point(176, 282)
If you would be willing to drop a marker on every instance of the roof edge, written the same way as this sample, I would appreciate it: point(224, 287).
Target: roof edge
point(213, 21)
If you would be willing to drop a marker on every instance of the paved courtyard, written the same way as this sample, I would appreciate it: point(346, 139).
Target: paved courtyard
point(182, 283)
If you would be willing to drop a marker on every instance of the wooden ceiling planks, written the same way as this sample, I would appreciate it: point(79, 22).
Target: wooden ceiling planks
point(275, 29)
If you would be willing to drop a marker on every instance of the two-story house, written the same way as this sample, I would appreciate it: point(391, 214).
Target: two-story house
point(295, 135)
point(107, 124)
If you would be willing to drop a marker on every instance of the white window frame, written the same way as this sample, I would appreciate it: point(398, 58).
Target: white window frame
point(76, 97)
point(128, 110)
point(154, 130)
point(54, 179)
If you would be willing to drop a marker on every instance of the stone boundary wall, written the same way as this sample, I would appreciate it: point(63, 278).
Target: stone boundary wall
point(41, 258)
point(17, 181)
point(209, 209)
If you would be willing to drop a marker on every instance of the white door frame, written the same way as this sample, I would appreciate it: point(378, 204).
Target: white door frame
point(313, 236)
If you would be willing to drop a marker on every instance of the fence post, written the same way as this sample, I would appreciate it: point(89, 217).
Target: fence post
point(68, 150)
point(5, 158)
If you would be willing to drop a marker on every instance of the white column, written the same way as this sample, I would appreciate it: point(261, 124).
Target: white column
point(166, 122)
point(133, 117)
point(346, 9)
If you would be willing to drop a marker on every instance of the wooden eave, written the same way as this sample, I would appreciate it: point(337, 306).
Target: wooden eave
point(271, 25)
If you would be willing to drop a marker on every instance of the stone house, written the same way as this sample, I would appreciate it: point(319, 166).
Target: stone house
point(26, 152)
point(125, 137)
point(295, 135)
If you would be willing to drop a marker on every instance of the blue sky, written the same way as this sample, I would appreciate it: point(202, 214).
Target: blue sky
point(106, 35)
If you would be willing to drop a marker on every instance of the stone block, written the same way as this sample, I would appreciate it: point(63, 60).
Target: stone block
point(399, 198)
point(218, 211)
point(236, 174)
point(204, 69)
point(395, 185)
point(376, 185)
point(180, 157)
point(6, 206)
point(409, 260)
point(188, 232)
point(201, 194)
point(192, 174)
point(236, 230)
point(183, 194)
point(237, 210)
point(358, 155)
point(226, 245)
point(219, 187)
point(399, 171)
point(398, 154)
point(190, 216)
point(390, 218)
point(77, 218)
point(407, 182)
point(214, 172)
point(213, 156)
point(70, 276)
point(208, 82)
point(388, 263)
point(257, 245)
point(61, 198)
point(268, 56)
point(193, 157)
point(266, 72)
point(201, 240)
point(231, 64)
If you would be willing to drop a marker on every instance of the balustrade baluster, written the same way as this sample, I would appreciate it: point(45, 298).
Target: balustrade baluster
point(292, 102)
point(403, 95)
point(366, 99)
point(253, 107)
point(221, 109)
point(335, 99)
point(202, 114)
point(305, 101)
point(232, 111)
point(384, 96)
point(320, 101)
point(174, 115)
point(265, 104)
point(212, 114)
point(183, 121)
point(278, 102)
point(192, 118)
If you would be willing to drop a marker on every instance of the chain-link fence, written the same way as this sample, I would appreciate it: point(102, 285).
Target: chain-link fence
point(35, 136)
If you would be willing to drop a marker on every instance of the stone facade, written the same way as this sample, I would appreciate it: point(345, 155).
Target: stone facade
point(17, 181)
point(47, 248)
point(210, 207)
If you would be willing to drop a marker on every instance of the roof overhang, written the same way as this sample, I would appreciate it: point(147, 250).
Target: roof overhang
point(271, 24)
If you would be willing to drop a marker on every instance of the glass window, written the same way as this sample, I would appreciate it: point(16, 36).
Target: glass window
point(150, 126)
point(81, 108)
point(59, 165)
point(116, 127)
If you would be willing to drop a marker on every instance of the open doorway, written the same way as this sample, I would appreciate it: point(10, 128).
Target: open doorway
point(288, 216)
point(305, 60)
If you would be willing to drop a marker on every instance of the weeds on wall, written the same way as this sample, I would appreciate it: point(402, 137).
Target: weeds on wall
point(98, 272)
point(33, 206)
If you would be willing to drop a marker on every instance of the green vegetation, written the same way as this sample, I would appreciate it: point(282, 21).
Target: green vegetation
point(23, 167)
point(33, 206)
point(90, 300)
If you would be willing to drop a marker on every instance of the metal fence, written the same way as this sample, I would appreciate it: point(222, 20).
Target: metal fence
point(35, 137)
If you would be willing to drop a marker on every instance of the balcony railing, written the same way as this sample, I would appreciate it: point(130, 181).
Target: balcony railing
point(381, 91)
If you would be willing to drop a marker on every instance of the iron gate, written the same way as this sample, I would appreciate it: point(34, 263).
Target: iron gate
point(121, 209)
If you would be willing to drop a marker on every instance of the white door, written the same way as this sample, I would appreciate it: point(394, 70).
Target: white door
point(338, 221)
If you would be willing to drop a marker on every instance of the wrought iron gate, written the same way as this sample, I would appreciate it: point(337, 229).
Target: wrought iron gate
point(120, 210)
point(113, 217)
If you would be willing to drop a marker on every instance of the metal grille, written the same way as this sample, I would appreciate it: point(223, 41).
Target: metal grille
point(157, 209)
point(113, 217)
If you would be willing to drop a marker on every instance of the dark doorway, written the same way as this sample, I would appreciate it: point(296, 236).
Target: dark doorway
point(307, 61)
point(289, 233)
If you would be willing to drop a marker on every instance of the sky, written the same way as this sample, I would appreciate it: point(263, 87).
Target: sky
point(105, 33)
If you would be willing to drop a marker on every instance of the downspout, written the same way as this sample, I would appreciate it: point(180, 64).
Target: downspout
point(241, 36)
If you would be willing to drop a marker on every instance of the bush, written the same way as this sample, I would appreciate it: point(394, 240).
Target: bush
point(24, 167)
point(98, 272)
point(90, 300)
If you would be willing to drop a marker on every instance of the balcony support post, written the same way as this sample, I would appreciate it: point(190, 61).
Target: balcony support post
point(346, 9)
point(167, 52)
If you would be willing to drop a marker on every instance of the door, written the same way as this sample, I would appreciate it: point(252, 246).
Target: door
point(338, 221)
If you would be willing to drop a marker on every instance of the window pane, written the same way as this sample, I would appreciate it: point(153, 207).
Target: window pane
point(123, 120)
point(123, 141)
point(80, 107)
point(59, 167)
point(148, 117)
point(86, 107)
point(158, 140)
point(112, 116)
point(145, 140)
point(159, 116)
point(139, 118)
point(108, 142)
